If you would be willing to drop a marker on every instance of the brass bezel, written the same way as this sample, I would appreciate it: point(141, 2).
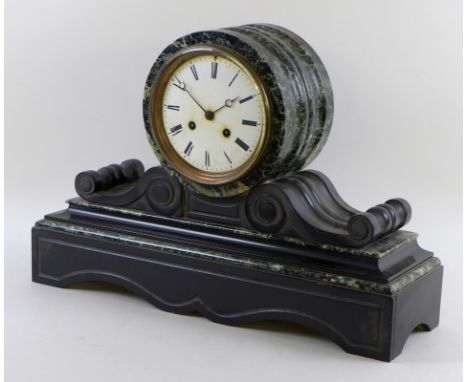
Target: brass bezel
point(162, 139)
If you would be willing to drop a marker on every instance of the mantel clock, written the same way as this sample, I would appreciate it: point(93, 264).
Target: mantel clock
point(230, 225)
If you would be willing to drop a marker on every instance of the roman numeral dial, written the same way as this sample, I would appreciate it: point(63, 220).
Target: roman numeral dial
point(194, 71)
point(176, 130)
point(213, 114)
point(214, 69)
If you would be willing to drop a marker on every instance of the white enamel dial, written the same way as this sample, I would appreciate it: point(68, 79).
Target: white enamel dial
point(213, 113)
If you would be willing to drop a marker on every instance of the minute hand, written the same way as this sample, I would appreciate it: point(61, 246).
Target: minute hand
point(182, 86)
point(198, 103)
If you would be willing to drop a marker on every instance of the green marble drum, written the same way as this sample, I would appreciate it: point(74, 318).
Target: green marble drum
point(227, 109)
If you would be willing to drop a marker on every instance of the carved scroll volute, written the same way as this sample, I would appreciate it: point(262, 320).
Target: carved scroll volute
point(264, 209)
point(379, 220)
point(128, 185)
point(303, 206)
point(90, 182)
point(307, 206)
point(163, 192)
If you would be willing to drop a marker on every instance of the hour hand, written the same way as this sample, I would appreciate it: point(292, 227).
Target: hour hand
point(227, 103)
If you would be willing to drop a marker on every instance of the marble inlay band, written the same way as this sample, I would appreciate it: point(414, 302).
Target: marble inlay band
point(252, 263)
point(376, 249)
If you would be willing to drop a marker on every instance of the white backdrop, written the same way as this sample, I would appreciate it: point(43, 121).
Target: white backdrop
point(74, 77)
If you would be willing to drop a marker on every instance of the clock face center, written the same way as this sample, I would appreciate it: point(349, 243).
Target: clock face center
point(209, 115)
point(212, 116)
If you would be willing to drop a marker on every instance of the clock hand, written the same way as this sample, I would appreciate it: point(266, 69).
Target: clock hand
point(227, 103)
point(182, 87)
point(181, 84)
point(198, 103)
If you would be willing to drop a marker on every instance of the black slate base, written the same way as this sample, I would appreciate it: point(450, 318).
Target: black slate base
point(230, 281)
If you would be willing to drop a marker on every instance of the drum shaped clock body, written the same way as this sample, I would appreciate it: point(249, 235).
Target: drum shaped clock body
point(228, 109)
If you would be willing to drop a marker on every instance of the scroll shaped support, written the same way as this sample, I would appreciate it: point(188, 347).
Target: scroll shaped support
point(304, 206)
